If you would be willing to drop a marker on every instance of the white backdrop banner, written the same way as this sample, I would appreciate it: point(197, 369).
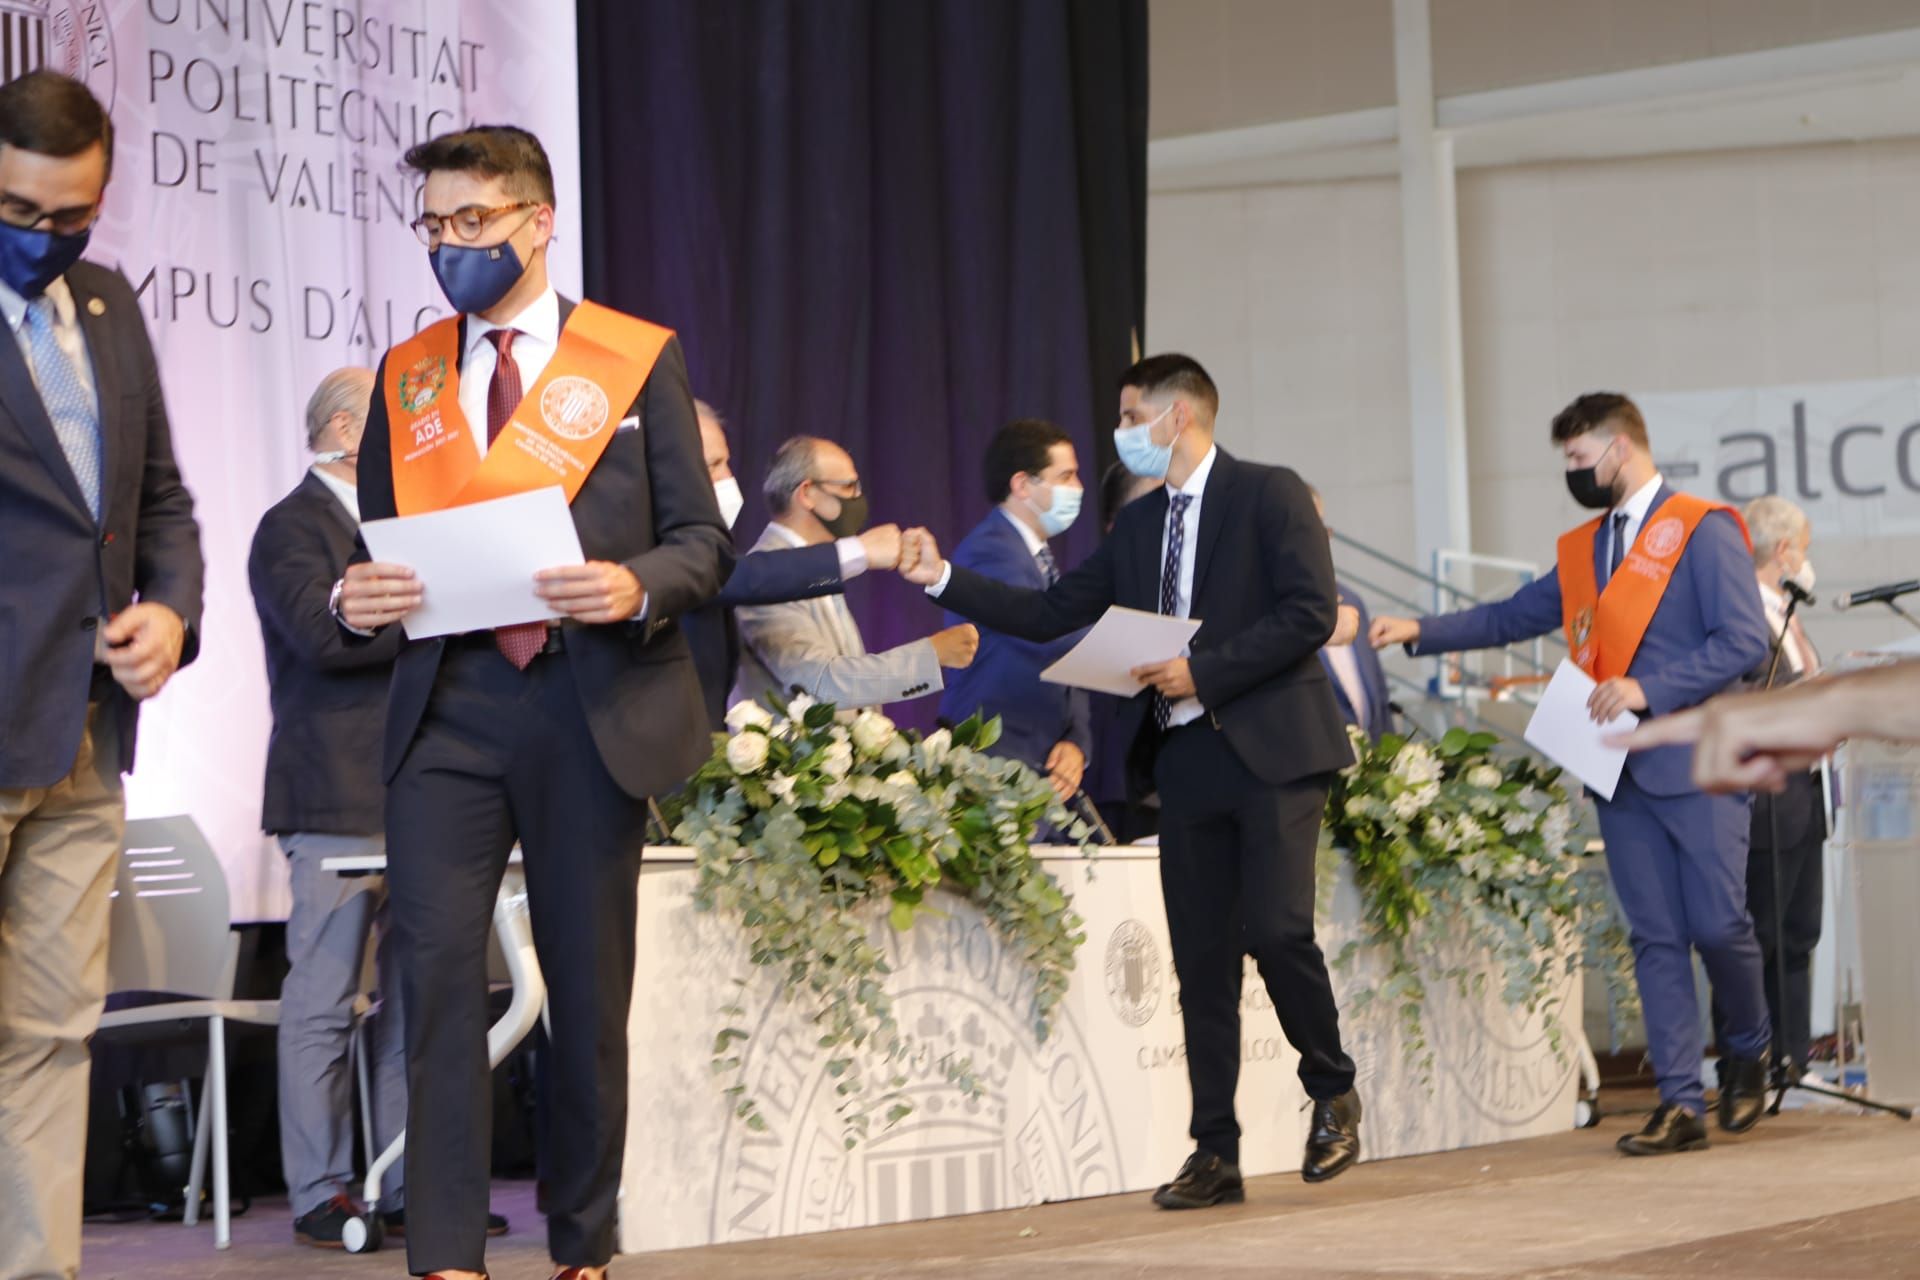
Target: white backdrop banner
point(1847, 452)
point(259, 207)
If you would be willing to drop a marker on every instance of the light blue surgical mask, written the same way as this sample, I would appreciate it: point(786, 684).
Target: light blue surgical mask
point(1061, 512)
point(1138, 453)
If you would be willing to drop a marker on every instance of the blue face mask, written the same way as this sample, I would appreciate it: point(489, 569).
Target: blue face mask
point(1137, 450)
point(476, 277)
point(1061, 512)
point(32, 260)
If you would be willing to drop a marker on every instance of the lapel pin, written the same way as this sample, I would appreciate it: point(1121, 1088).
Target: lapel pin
point(95, 307)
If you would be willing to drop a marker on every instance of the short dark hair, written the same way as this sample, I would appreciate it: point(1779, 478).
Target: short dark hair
point(1022, 447)
point(492, 150)
point(53, 115)
point(1599, 410)
point(1173, 372)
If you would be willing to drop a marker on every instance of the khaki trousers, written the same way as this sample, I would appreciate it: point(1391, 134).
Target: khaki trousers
point(58, 850)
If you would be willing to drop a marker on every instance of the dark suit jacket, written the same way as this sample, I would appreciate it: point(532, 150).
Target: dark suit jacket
point(329, 696)
point(1264, 593)
point(1004, 678)
point(1373, 677)
point(1707, 634)
point(649, 505)
point(759, 577)
point(61, 571)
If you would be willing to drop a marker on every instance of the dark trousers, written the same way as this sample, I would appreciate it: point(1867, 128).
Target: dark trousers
point(505, 755)
point(1798, 861)
point(1237, 871)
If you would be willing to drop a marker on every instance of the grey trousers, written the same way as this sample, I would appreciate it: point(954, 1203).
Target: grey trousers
point(59, 846)
point(327, 945)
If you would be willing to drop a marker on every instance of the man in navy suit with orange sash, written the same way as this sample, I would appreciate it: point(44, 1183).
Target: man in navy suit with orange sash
point(552, 734)
point(1659, 604)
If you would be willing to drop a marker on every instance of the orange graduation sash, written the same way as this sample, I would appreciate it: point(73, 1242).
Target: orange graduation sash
point(1604, 628)
point(562, 426)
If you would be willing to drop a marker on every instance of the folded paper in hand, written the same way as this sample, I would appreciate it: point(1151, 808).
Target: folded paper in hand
point(476, 563)
point(1122, 640)
point(1564, 731)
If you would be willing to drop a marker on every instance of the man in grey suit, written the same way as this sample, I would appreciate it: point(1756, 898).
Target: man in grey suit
point(99, 605)
point(814, 646)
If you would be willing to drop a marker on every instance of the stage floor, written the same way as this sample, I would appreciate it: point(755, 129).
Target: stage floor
point(1809, 1193)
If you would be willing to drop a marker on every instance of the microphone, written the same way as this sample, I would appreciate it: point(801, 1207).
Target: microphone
point(1800, 595)
point(1877, 595)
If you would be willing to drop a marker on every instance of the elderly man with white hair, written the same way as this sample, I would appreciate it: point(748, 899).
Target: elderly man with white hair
point(1784, 864)
point(324, 798)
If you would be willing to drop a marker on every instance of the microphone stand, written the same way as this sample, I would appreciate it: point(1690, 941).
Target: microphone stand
point(1895, 606)
point(1781, 1080)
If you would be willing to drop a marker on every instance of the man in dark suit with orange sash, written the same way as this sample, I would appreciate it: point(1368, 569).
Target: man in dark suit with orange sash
point(1660, 606)
point(551, 734)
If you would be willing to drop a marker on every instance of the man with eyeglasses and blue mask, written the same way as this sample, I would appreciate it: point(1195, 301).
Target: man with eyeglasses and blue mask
point(99, 605)
point(1032, 478)
point(1240, 736)
point(552, 735)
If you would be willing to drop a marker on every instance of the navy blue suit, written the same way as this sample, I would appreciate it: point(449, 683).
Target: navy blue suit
point(1678, 857)
point(759, 577)
point(1373, 677)
point(1004, 679)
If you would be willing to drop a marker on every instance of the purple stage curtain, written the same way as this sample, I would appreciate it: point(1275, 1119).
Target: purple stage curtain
point(897, 224)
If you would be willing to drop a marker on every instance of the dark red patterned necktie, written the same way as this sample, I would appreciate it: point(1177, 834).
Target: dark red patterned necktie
point(522, 641)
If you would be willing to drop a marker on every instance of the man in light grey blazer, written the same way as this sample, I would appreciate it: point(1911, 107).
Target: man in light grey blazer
point(814, 646)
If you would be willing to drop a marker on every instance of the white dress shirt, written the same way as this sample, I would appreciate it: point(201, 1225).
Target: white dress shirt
point(852, 551)
point(539, 326)
point(67, 332)
point(1796, 651)
point(1636, 507)
point(1187, 709)
point(1035, 543)
point(348, 494)
point(1346, 669)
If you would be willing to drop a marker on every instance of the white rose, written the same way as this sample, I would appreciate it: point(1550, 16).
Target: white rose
point(782, 786)
point(897, 751)
point(935, 747)
point(743, 714)
point(797, 709)
point(872, 732)
point(901, 778)
point(1484, 776)
point(747, 752)
point(833, 793)
point(838, 760)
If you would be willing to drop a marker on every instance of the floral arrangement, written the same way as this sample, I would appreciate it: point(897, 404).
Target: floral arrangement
point(1450, 844)
point(805, 813)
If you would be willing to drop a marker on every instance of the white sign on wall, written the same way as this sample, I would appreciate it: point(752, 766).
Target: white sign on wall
point(259, 208)
point(1847, 452)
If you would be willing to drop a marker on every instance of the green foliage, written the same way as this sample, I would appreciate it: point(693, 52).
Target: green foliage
point(806, 816)
point(1457, 853)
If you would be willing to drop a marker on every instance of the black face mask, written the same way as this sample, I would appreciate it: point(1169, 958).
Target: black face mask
point(851, 519)
point(1584, 484)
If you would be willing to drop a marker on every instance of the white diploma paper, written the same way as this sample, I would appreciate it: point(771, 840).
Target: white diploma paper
point(1564, 731)
point(477, 562)
point(1122, 640)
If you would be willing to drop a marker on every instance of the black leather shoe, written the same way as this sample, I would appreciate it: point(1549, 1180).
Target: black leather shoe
point(322, 1227)
point(1671, 1129)
point(1333, 1142)
point(1743, 1094)
point(1203, 1181)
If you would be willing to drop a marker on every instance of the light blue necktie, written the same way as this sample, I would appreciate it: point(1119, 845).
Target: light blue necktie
point(76, 419)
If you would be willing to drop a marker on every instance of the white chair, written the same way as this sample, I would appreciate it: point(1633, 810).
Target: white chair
point(170, 934)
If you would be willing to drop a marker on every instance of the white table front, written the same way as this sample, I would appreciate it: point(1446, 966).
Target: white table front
point(1100, 1107)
